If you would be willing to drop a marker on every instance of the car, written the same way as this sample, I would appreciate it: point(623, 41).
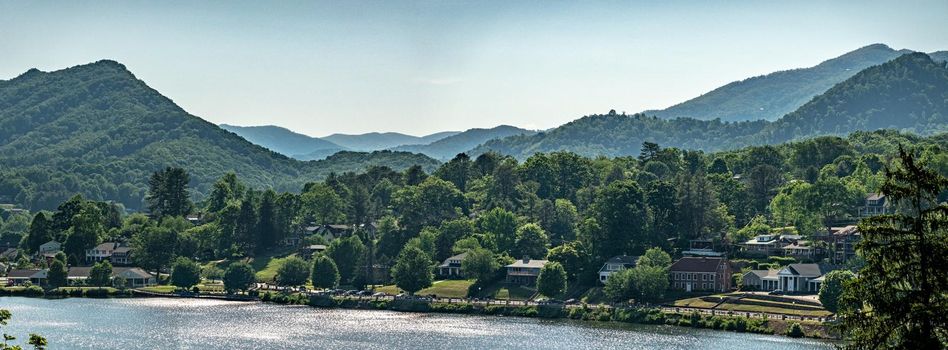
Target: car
point(379, 294)
point(775, 292)
point(363, 292)
point(571, 301)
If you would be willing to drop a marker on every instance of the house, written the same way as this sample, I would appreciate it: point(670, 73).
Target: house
point(451, 267)
point(874, 204)
point(21, 276)
point(763, 245)
point(51, 246)
point(100, 252)
point(765, 280)
point(616, 264)
point(802, 250)
point(702, 247)
point(333, 231)
point(307, 252)
point(121, 256)
point(701, 274)
point(134, 277)
point(524, 271)
point(799, 278)
point(195, 219)
point(843, 241)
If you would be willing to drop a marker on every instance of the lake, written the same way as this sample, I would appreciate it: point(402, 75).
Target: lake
point(166, 323)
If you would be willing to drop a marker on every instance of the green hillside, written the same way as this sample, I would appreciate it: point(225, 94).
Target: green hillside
point(448, 147)
point(909, 93)
point(771, 96)
point(95, 129)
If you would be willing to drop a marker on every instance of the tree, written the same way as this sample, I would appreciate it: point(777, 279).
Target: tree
point(457, 171)
point(450, 232)
point(552, 279)
point(41, 231)
point(655, 257)
point(85, 232)
point(572, 255)
point(100, 274)
point(619, 285)
point(322, 205)
point(346, 253)
point(267, 229)
point(649, 282)
point(293, 272)
point(620, 213)
point(56, 276)
point(531, 241)
point(412, 270)
point(185, 273)
point(154, 247)
point(168, 192)
point(832, 288)
point(901, 294)
point(480, 265)
point(502, 226)
point(325, 273)
point(428, 204)
point(239, 276)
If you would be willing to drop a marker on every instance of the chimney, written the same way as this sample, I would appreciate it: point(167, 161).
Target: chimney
point(526, 259)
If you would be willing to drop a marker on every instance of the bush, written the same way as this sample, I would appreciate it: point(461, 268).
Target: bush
point(795, 331)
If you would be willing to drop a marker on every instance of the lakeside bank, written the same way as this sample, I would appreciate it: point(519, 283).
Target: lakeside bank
point(582, 312)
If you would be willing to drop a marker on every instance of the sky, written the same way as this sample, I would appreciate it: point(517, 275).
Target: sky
point(426, 66)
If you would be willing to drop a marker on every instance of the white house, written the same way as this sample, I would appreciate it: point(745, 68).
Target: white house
point(616, 264)
point(793, 278)
point(451, 267)
point(101, 252)
point(50, 247)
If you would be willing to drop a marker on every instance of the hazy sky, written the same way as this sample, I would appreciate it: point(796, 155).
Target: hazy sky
point(421, 67)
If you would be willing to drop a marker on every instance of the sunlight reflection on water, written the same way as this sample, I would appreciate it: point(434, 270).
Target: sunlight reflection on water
point(213, 324)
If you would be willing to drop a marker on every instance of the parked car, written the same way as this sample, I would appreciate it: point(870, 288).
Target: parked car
point(379, 294)
point(775, 292)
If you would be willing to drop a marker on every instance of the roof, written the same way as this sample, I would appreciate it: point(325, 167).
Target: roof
point(799, 245)
point(846, 230)
point(106, 246)
point(623, 259)
point(134, 272)
point(51, 242)
point(804, 270)
point(697, 264)
point(527, 263)
point(122, 250)
point(875, 196)
point(447, 262)
point(762, 273)
point(22, 273)
point(315, 247)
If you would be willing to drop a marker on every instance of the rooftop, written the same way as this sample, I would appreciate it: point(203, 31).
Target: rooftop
point(527, 263)
point(697, 264)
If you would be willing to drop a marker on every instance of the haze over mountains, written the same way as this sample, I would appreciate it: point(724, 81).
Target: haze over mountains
point(96, 129)
point(771, 96)
point(909, 93)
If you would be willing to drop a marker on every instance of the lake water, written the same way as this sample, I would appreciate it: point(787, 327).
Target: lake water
point(161, 323)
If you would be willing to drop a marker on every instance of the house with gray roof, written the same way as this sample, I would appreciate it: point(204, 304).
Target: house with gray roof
point(451, 267)
point(616, 264)
point(524, 271)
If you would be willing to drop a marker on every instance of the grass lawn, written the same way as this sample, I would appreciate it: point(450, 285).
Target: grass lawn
point(159, 289)
point(771, 307)
point(443, 289)
point(267, 265)
point(502, 291)
point(594, 295)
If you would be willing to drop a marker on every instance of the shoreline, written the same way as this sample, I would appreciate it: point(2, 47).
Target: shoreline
point(595, 313)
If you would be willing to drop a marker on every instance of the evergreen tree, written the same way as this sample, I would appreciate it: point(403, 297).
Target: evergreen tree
point(168, 192)
point(901, 295)
point(40, 232)
point(100, 274)
point(57, 274)
point(325, 274)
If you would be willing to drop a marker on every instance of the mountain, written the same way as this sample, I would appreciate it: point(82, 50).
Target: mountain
point(284, 141)
point(96, 129)
point(773, 95)
point(379, 141)
point(909, 93)
point(448, 147)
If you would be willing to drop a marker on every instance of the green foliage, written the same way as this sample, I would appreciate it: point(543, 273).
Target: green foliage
point(412, 270)
point(531, 241)
point(56, 276)
point(552, 279)
point(325, 274)
point(832, 288)
point(655, 257)
point(100, 274)
point(795, 331)
point(479, 264)
point(293, 272)
point(185, 273)
point(899, 298)
point(154, 247)
point(346, 254)
point(238, 276)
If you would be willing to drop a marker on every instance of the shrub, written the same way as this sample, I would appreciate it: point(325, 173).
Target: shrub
point(795, 331)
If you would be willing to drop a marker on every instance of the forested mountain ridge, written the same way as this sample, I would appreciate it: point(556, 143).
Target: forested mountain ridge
point(96, 129)
point(773, 95)
point(283, 141)
point(909, 93)
point(374, 141)
point(448, 147)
